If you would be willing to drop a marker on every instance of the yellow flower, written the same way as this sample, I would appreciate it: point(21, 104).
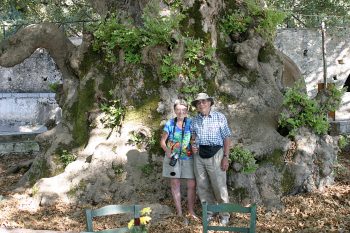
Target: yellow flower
point(146, 211)
point(145, 220)
point(131, 224)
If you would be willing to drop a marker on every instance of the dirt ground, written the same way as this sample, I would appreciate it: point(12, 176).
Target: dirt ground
point(327, 211)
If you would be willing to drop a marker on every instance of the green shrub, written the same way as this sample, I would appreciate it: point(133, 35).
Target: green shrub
point(193, 51)
point(268, 24)
point(35, 190)
point(235, 22)
point(243, 157)
point(66, 157)
point(301, 111)
point(169, 70)
point(158, 29)
point(262, 20)
point(139, 139)
point(176, 4)
point(114, 113)
point(330, 98)
point(54, 86)
point(118, 169)
point(196, 56)
point(147, 169)
point(153, 143)
point(113, 34)
point(116, 33)
point(343, 141)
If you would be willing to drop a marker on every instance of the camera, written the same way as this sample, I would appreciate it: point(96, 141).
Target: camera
point(173, 160)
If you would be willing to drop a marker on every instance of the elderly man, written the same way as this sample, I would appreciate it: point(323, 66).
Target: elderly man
point(211, 145)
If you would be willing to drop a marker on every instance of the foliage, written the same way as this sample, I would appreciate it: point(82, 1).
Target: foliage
point(270, 20)
point(169, 69)
point(38, 10)
point(141, 225)
point(302, 111)
point(153, 143)
point(18, 13)
point(311, 13)
point(145, 141)
point(147, 169)
point(243, 157)
point(118, 169)
point(299, 110)
point(54, 86)
point(176, 4)
point(114, 34)
point(193, 50)
point(114, 113)
point(196, 56)
point(35, 190)
point(157, 29)
point(343, 141)
point(140, 139)
point(235, 22)
point(340, 169)
point(330, 98)
point(117, 33)
point(137, 138)
point(262, 20)
point(66, 157)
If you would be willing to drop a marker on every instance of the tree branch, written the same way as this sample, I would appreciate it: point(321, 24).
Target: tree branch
point(46, 35)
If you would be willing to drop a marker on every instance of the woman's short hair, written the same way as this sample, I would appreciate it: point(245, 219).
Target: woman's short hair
point(180, 102)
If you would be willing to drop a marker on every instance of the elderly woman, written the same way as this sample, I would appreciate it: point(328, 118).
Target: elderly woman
point(178, 160)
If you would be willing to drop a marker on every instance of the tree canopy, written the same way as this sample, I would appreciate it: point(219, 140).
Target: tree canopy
point(14, 14)
point(310, 13)
point(45, 10)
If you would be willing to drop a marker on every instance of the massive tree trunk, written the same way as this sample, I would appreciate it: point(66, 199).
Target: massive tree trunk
point(247, 89)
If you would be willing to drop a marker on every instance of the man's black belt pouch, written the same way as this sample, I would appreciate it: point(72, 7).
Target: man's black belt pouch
point(207, 152)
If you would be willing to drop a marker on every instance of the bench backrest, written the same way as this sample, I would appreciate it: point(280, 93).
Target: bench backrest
point(231, 208)
point(109, 210)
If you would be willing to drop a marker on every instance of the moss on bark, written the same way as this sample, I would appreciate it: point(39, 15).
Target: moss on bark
point(80, 110)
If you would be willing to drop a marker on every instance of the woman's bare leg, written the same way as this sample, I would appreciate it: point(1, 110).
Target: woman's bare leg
point(175, 191)
point(191, 195)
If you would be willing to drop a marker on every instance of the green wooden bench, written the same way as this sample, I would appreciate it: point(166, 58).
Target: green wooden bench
point(231, 208)
point(109, 210)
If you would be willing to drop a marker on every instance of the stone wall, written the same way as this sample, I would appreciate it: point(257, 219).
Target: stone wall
point(27, 108)
point(304, 47)
point(34, 74)
point(26, 97)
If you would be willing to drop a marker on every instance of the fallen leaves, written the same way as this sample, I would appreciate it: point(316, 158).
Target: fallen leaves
point(327, 211)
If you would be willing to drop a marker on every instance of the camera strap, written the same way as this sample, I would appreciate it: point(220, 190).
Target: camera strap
point(182, 132)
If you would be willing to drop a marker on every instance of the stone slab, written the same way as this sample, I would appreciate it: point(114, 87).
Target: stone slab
point(340, 128)
point(27, 108)
point(19, 147)
point(21, 129)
